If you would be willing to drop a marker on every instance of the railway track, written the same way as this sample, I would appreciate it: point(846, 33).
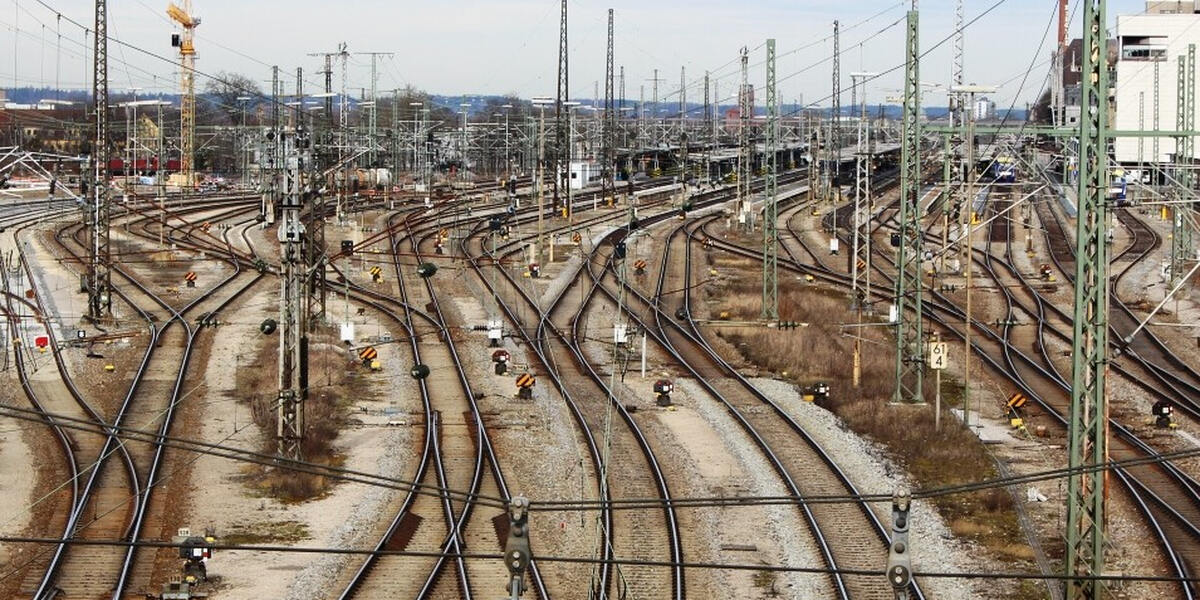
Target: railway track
point(1165, 512)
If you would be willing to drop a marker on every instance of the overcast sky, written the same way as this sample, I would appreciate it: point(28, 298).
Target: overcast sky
point(510, 46)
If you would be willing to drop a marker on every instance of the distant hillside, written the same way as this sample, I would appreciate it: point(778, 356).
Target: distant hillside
point(478, 104)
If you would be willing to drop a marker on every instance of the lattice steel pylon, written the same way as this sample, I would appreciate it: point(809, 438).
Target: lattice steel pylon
point(861, 243)
point(99, 281)
point(956, 104)
point(770, 275)
point(910, 354)
point(745, 156)
point(835, 117)
point(1087, 432)
point(1185, 120)
point(682, 95)
point(610, 120)
point(293, 335)
point(315, 255)
point(560, 118)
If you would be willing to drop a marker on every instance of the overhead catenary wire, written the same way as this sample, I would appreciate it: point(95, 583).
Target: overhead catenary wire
point(350, 475)
point(617, 561)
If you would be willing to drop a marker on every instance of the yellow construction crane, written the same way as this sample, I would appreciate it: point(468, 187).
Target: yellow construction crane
point(187, 104)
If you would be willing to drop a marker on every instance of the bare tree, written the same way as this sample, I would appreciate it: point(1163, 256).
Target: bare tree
point(224, 90)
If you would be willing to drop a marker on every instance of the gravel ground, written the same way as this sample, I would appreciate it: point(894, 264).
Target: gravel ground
point(369, 508)
point(756, 478)
point(542, 428)
point(934, 547)
point(346, 516)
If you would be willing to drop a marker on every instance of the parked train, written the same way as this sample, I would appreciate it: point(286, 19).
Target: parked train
point(145, 166)
point(370, 179)
point(1118, 187)
point(1004, 169)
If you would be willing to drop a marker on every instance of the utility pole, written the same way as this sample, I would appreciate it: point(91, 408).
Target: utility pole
point(860, 292)
point(1185, 120)
point(314, 246)
point(610, 120)
point(682, 95)
point(968, 218)
point(1087, 431)
point(745, 107)
point(99, 282)
point(564, 92)
point(956, 79)
point(709, 130)
point(1154, 141)
point(328, 73)
point(273, 156)
point(835, 128)
point(654, 106)
point(373, 118)
point(770, 297)
point(159, 182)
point(293, 330)
point(341, 176)
point(910, 353)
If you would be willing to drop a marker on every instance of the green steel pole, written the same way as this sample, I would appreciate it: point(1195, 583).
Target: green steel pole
point(770, 276)
point(1087, 433)
point(910, 361)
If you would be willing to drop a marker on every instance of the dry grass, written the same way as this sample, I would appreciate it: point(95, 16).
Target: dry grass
point(820, 352)
point(325, 414)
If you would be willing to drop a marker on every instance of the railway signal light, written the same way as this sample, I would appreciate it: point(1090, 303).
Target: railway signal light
point(816, 391)
point(791, 324)
point(619, 250)
point(899, 562)
point(419, 371)
point(662, 391)
point(1162, 411)
point(426, 270)
point(500, 358)
point(347, 246)
point(267, 327)
point(516, 547)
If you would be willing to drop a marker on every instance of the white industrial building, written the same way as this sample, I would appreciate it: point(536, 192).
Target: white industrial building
point(1156, 38)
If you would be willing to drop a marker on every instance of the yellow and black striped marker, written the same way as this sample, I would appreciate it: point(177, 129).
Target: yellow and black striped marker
point(1017, 400)
point(376, 274)
point(862, 264)
point(367, 355)
point(206, 226)
point(640, 266)
point(190, 278)
point(525, 386)
point(576, 237)
point(444, 233)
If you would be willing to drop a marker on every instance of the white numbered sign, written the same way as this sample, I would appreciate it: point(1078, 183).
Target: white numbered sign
point(937, 355)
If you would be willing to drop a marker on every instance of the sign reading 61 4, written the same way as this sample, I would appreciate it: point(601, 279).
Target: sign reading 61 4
point(937, 355)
